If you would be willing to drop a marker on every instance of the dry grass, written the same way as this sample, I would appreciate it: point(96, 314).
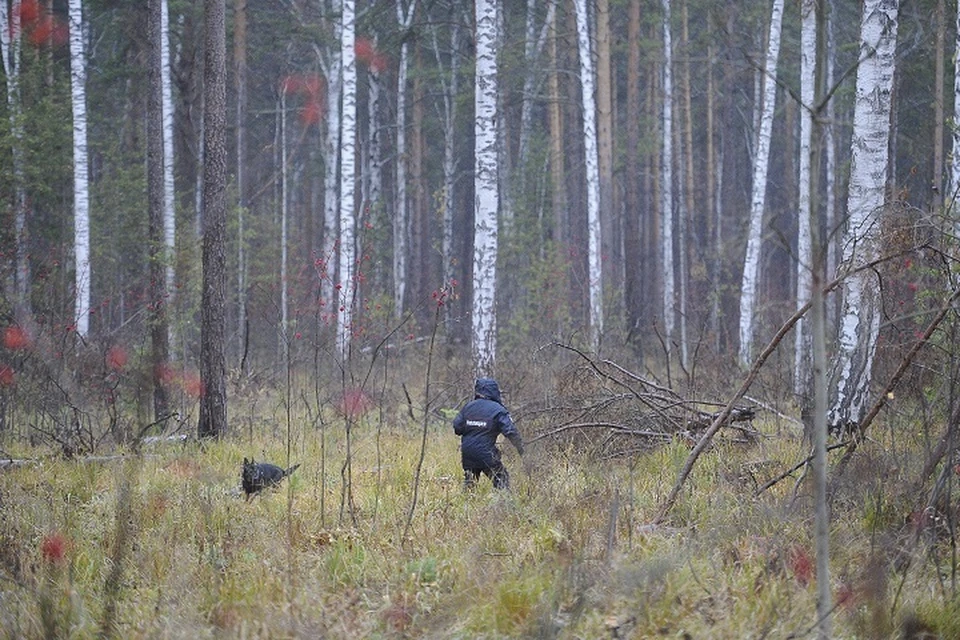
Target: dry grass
point(566, 554)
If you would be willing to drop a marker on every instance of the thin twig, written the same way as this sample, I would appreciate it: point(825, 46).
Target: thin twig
point(800, 464)
point(601, 425)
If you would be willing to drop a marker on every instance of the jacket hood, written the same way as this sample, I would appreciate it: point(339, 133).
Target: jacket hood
point(487, 388)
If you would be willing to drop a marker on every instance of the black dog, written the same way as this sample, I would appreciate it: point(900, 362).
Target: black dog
point(257, 476)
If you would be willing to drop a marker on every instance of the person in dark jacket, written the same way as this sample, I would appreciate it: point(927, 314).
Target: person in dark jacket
point(478, 424)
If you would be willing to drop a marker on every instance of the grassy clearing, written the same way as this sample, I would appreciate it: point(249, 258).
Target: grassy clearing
point(164, 545)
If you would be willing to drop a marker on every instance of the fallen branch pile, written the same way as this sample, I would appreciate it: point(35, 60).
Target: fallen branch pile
point(607, 410)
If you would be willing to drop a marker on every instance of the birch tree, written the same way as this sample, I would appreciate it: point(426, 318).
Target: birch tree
point(954, 183)
point(751, 262)
point(371, 174)
point(860, 312)
point(808, 54)
point(666, 186)
point(330, 66)
point(155, 205)
point(401, 221)
point(348, 123)
point(166, 106)
point(486, 191)
point(10, 43)
point(591, 163)
point(81, 185)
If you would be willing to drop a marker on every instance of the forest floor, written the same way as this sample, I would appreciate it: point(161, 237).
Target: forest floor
point(385, 543)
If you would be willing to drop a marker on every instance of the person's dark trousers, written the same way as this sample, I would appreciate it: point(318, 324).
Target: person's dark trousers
point(498, 474)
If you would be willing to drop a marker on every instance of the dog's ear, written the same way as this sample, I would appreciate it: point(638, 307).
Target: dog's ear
point(245, 461)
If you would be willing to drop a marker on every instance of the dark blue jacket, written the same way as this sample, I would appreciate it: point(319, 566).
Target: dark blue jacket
point(480, 422)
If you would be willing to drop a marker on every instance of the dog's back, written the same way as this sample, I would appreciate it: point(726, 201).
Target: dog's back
point(256, 476)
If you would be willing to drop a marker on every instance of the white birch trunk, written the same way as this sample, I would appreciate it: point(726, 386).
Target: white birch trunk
point(808, 58)
point(486, 190)
point(81, 191)
point(954, 193)
point(401, 221)
point(348, 120)
point(591, 162)
point(331, 163)
point(10, 40)
point(860, 313)
point(166, 106)
point(751, 262)
point(371, 175)
point(666, 187)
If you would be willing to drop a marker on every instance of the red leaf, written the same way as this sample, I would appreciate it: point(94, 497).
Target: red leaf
point(117, 357)
point(54, 548)
point(15, 338)
point(7, 378)
point(801, 565)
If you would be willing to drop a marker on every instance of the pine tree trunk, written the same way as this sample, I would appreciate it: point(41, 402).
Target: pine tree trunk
point(936, 197)
point(611, 246)
point(560, 228)
point(714, 239)
point(555, 124)
point(688, 222)
point(213, 397)
point(631, 223)
point(240, 131)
